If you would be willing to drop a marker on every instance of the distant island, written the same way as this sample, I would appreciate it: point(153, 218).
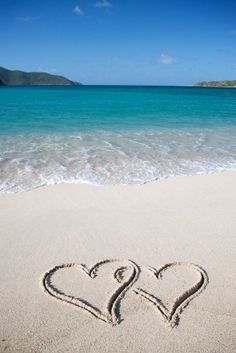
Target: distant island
point(21, 78)
point(226, 83)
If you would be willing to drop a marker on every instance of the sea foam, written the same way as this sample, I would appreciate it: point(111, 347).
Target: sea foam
point(104, 157)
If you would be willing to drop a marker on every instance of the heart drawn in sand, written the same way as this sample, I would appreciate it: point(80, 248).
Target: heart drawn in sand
point(171, 308)
point(124, 274)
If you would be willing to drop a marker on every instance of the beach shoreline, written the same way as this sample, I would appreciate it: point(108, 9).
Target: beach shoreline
point(113, 135)
point(186, 220)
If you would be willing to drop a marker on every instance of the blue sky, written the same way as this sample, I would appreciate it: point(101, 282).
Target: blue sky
point(121, 41)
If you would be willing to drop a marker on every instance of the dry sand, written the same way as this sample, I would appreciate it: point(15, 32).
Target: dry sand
point(136, 301)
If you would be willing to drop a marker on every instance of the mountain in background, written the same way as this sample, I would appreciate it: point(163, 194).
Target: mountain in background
point(226, 83)
point(21, 78)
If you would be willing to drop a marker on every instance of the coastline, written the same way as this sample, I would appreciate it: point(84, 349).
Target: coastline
point(113, 135)
point(96, 185)
point(189, 219)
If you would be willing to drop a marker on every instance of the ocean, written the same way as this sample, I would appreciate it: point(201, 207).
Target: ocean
point(113, 134)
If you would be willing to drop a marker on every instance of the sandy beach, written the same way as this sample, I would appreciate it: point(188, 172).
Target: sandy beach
point(117, 269)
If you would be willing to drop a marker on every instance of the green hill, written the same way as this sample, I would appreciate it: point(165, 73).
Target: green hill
point(1, 83)
point(21, 78)
point(226, 83)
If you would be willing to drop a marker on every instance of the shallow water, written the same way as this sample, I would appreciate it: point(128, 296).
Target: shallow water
point(113, 135)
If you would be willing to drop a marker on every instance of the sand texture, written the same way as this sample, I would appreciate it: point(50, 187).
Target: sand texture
point(117, 269)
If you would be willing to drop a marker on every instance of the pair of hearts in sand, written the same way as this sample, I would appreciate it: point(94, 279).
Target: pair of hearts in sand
point(127, 275)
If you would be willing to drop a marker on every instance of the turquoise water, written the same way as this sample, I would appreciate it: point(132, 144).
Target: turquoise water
point(113, 135)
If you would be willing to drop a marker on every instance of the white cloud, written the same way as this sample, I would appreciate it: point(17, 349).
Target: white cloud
point(49, 71)
point(78, 10)
point(233, 32)
point(27, 18)
point(103, 4)
point(165, 59)
point(53, 70)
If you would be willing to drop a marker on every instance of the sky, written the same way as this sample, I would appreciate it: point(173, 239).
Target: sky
point(130, 42)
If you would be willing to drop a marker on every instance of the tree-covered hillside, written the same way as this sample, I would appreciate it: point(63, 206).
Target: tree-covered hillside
point(21, 78)
point(226, 83)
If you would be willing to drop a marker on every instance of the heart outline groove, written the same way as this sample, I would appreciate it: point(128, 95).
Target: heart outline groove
point(111, 316)
point(172, 317)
